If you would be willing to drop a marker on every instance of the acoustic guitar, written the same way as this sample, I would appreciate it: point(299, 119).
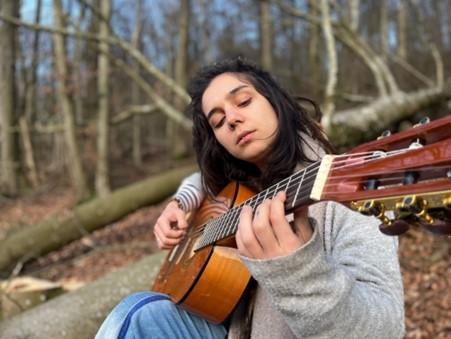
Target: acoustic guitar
point(408, 173)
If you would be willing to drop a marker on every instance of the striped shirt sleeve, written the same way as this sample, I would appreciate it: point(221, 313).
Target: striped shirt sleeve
point(190, 193)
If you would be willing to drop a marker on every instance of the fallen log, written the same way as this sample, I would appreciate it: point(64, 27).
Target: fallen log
point(355, 125)
point(35, 240)
point(78, 314)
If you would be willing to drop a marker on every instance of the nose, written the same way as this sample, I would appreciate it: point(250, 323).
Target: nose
point(233, 118)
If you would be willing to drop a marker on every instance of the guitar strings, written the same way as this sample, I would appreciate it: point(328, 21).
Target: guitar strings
point(423, 169)
point(348, 161)
point(233, 212)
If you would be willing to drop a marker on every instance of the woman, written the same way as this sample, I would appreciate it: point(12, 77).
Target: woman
point(331, 274)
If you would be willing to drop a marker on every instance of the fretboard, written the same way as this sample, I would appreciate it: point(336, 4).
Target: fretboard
point(297, 187)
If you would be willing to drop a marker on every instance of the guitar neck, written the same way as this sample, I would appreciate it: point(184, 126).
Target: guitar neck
point(298, 188)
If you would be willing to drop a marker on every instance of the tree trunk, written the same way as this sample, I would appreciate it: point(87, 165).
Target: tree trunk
point(384, 48)
point(78, 77)
point(314, 62)
point(74, 161)
point(179, 137)
point(78, 314)
point(266, 34)
point(8, 176)
point(30, 99)
point(329, 40)
point(206, 56)
point(354, 11)
point(28, 155)
point(42, 238)
point(401, 46)
point(102, 171)
point(136, 121)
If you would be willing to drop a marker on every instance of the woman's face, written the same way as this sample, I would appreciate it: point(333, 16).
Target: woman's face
point(243, 120)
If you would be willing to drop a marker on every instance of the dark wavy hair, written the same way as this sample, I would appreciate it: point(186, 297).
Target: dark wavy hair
point(217, 165)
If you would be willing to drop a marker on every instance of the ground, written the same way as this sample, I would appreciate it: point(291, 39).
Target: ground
point(425, 259)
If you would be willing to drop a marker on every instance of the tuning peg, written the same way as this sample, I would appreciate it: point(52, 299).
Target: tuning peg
point(417, 143)
point(423, 121)
point(394, 227)
point(437, 226)
point(384, 134)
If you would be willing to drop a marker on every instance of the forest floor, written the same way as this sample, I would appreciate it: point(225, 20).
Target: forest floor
point(425, 259)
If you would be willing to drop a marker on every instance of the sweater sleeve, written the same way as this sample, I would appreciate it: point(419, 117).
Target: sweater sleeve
point(344, 283)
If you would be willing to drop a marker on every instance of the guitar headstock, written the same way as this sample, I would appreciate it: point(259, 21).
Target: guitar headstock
point(408, 173)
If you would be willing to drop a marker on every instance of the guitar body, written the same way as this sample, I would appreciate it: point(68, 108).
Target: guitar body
point(208, 282)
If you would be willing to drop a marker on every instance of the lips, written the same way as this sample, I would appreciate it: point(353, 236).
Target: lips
point(243, 137)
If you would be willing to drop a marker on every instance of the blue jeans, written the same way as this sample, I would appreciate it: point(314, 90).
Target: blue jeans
point(152, 315)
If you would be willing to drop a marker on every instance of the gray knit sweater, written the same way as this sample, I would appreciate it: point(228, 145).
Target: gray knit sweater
point(344, 283)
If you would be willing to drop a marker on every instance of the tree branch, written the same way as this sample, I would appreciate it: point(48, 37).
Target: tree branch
point(113, 40)
point(133, 110)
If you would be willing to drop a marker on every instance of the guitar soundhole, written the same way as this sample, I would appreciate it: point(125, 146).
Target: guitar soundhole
point(186, 249)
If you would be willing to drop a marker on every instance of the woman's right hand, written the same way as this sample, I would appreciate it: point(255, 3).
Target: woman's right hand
point(171, 226)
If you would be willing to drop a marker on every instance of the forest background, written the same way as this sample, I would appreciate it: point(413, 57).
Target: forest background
point(93, 137)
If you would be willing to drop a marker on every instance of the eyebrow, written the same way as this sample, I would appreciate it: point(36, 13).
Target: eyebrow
point(231, 93)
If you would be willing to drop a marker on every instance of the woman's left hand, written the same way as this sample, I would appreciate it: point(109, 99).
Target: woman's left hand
point(268, 234)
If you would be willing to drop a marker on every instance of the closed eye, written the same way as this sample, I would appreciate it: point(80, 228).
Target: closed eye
point(245, 102)
point(220, 123)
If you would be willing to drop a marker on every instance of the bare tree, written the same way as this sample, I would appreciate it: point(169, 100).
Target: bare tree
point(77, 72)
point(384, 27)
point(30, 103)
point(401, 50)
point(354, 10)
point(179, 144)
point(102, 172)
point(136, 43)
point(314, 62)
point(8, 176)
point(329, 104)
point(266, 34)
point(74, 161)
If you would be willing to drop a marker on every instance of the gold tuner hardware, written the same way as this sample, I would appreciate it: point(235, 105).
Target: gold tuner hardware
point(413, 204)
point(410, 204)
point(354, 205)
point(447, 202)
point(372, 207)
point(375, 208)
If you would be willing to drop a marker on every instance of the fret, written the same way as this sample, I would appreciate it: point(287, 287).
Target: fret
point(288, 184)
point(275, 190)
point(287, 188)
point(221, 229)
point(299, 187)
point(234, 223)
point(219, 226)
point(236, 217)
